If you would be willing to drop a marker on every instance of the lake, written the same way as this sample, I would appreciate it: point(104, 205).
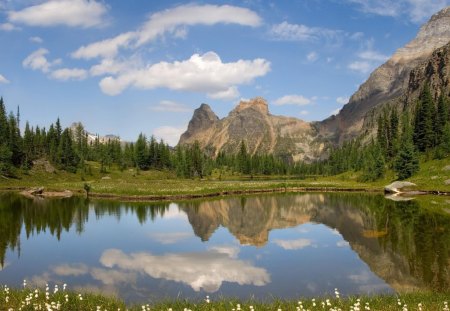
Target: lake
point(262, 247)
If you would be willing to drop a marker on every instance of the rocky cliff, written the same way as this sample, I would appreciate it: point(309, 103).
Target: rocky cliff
point(261, 131)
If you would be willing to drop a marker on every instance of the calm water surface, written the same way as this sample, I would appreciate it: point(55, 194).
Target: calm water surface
point(283, 246)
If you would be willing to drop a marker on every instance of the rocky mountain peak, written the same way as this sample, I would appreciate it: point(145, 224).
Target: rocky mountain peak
point(432, 35)
point(258, 104)
point(202, 119)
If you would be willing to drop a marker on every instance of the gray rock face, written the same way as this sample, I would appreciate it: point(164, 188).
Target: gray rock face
point(251, 122)
point(202, 119)
point(389, 80)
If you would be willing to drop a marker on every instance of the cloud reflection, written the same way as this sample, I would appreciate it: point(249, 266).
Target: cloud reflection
point(293, 244)
point(201, 271)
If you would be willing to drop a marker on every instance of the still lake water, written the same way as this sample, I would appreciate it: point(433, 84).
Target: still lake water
point(284, 246)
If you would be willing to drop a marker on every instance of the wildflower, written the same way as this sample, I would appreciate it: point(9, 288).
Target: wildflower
point(64, 286)
point(207, 299)
point(24, 283)
point(79, 297)
point(419, 306)
point(336, 293)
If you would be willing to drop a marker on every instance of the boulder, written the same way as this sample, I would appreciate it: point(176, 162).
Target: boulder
point(397, 186)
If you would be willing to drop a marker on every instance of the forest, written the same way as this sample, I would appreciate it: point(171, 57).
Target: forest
point(402, 139)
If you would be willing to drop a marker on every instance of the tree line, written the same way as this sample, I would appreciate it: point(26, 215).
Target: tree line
point(399, 142)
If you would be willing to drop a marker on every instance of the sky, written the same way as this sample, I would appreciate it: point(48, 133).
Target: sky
point(126, 67)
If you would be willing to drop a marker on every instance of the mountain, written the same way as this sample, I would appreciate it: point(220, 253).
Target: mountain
point(261, 131)
point(390, 80)
point(397, 82)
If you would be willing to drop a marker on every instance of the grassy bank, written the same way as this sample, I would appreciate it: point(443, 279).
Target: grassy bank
point(59, 299)
point(165, 184)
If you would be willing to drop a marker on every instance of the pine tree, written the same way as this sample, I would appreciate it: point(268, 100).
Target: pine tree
point(141, 153)
point(197, 160)
point(424, 136)
point(407, 161)
point(68, 159)
point(5, 151)
point(442, 115)
point(28, 146)
point(393, 133)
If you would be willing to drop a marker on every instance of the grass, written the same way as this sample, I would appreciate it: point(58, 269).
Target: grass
point(60, 299)
point(431, 177)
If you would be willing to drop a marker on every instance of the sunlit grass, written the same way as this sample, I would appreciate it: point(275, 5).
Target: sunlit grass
point(432, 176)
point(59, 298)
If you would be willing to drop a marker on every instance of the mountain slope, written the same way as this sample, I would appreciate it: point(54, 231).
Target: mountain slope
point(388, 81)
point(252, 123)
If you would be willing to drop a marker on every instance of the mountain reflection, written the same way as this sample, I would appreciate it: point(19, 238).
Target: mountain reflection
point(407, 244)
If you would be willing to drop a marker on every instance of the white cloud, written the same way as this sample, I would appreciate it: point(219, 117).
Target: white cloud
point(36, 40)
point(371, 55)
point(111, 66)
point(170, 106)
point(65, 74)
point(171, 135)
point(8, 27)
point(368, 59)
point(228, 94)
point(73, 13)
point(296, 32)
point(293, 244)
point(202, 271)
point(170, 237)
point(38, 61)
point(3, 79)
point(304, 112)
point(106, 48)
point(174, 22)
point(169, 21)
point(312, 57)
point(297, 100)
point(200, 73)
point(342, 100)
point(230, 251)
point(416, 10)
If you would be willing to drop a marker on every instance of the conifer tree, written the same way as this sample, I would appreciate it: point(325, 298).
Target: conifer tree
point(424, 136)
point(67, 156)
point(441, 119)
point(141, 153)
point(407, 161)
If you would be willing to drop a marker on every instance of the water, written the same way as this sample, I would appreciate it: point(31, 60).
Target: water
point(283, 246)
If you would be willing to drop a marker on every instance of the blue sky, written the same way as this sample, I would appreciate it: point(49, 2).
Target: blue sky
point(125, 67)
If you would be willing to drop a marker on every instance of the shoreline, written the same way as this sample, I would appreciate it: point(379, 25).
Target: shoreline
point(216, 194)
